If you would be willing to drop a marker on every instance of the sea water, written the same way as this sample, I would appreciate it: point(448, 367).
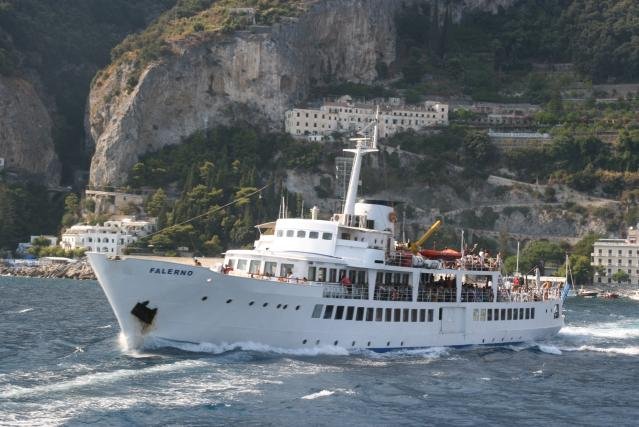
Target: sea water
point(61, 362)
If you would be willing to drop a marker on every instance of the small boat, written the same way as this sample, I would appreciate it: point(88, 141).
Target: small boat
point(634, 296)
point(585, 293)
point(610, 295)
point(445, 254)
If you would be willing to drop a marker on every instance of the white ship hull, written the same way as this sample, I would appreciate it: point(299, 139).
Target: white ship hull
point(197, 305)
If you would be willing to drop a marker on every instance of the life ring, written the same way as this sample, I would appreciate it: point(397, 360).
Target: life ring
point(392, 217)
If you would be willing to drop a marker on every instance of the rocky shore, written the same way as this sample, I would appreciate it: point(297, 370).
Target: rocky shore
point(80, 270)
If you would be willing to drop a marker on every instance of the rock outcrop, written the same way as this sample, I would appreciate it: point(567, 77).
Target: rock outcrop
point(26, 143)
point(251, 76)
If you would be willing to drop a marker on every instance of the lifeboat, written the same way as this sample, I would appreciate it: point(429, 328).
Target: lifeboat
point(446, 254)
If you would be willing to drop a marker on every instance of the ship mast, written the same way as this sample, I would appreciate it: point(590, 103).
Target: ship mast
point(364, 145)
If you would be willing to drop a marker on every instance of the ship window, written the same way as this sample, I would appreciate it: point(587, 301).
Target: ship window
point(339, 312)
point(349, 313)
point(476, 315)
point(532, 313)
point(301, 234)
point(360, 314)
point(490, 314)
point(317, 311)
point(527, 313)
point(327, 236)
point(398, 315)
point(332, 275)
point(270, 268)
point(231, 263)
point(515, 314)
point(254, 267)
point(311, 273)
point(441, 310)
point(422, 314)
point(413, 315)
point(321, 274)
point(313, 235)
point(361, 277)
point(406, 315)
point(346, 236)
point(379, 314)
point(379, 279)
point(482, 314)
point(510, 314)
point(521, 313)
point(241, 264)
point(290, 233)
point(285, 269)
point(370, 311)
point(328, 313)
point(503, 314)
point(431, 314)
point(389, 314)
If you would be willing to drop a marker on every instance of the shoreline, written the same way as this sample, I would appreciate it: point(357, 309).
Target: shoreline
point(80, 270)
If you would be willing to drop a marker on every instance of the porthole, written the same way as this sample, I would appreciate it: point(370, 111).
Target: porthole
point(401, 344)
point(335, 343)
point(317, 342)
point(304, 342)
point(387, 343)
point(265, 304)
point(205, 298)
point(228, 301)
point(353, 344)
point(369, 344)
point(285, 306)
point(278, 305)
point(483, 340)
point(252, 302)
point(297, 308)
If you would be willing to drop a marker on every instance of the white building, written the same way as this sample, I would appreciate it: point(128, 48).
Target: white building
point(112, 237)
point(346, 116)
point(1, 163)
point(612, 255)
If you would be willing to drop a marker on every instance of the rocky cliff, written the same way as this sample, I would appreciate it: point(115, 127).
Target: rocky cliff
point(26, 143)
point(252, 75)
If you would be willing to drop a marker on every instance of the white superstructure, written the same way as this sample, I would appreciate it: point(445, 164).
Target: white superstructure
point(340, 282)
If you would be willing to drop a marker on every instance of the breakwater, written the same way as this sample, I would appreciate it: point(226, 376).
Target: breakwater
point(80, 270)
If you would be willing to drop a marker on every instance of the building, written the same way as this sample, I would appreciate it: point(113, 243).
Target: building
point(1, 163)
point(494, 114)
point(344, 115)
point(112, 237)
point(23, 248)
point(506, 141)
point(612, 255)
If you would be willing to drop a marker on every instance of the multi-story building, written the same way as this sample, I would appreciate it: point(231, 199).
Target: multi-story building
point(344, 115)
point(612, 255)
point(112, 237)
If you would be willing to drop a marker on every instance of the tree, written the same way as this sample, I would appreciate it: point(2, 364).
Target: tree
point(620, 276)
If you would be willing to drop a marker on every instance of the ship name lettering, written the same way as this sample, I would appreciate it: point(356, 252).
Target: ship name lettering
point(171, 271)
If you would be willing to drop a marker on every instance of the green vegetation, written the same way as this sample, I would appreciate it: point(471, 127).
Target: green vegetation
point(25, 210)
point(214, 168)
point(42, 247)
point(621, 276)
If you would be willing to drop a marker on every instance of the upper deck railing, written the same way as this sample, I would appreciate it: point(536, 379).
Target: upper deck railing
point(468, 262)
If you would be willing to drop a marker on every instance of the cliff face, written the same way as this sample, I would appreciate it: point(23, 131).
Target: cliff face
point(251, 76)
point(26, 143)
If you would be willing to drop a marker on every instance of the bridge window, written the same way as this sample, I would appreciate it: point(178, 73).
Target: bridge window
point(290, 233)
point(270, 267)
point(285, 269)
point(313, 235)
point(317, 311)
point(254, 267)
point(241, 264)
point(349, 313)
point(301, 234)
point(327, 236)
point(279, 233)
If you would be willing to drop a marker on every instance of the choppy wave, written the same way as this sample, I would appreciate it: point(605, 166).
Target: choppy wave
point(550, 349)
point(95, 378)
point(613, 330)
point(25, 310)
point(627, 351)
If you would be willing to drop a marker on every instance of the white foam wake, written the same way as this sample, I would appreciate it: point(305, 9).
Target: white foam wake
point(627, 351)
point(550, 349)
point(616, 330)
point(314, 396)
point(156, 343)
point(95, 378)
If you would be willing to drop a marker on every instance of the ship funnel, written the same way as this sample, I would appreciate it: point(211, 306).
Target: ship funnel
point(314, 212)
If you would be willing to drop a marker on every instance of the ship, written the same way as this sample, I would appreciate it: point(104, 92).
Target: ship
point(343, 281)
